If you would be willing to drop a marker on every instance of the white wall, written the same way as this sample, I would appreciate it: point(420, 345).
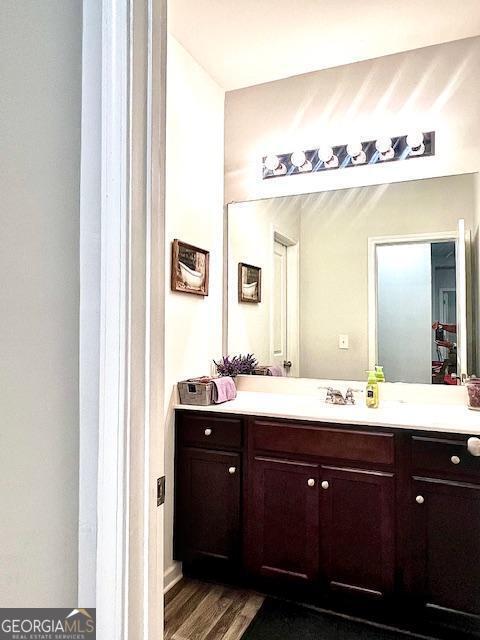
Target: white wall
point(435, 88)
point(251, 229)
point(194, 213)
point(40, 49)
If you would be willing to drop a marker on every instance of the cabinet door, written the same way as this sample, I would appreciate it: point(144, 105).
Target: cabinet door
point(208, 505)
point(445, 544)
point(283, 535)
point(358, 530)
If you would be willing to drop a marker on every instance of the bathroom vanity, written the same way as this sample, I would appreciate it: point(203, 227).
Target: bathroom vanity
point(389, 513)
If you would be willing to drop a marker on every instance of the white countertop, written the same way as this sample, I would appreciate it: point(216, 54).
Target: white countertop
point(451, 418)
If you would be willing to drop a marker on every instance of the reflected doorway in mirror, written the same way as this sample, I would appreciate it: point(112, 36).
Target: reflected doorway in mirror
point(418, 306)
point(249, 283)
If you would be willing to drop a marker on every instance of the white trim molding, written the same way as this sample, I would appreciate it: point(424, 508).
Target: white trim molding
point(89, 347)
point(130, 537)
point(112, 489)
point(172, 576)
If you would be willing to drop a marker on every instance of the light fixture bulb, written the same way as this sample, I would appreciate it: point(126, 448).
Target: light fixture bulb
point(354, 148)
point(298, 159)
point(325, 153)
point(383, 145)
point(415, 139)
point(272, 162)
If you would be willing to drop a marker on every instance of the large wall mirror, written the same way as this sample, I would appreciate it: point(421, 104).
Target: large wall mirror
point(354, 278)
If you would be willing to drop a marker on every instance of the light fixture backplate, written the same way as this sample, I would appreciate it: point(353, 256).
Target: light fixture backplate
point(399, 145)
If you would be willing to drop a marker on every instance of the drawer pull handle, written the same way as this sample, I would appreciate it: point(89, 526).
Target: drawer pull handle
point(232, 470)
point(473, 446)
point(311, 482)
point(420, 499)
point(208, 432)
point(325, 484)
point(455, 459)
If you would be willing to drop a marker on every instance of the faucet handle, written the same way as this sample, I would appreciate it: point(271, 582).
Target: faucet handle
point(349, 397)
point(330, 395)
point(335, 396)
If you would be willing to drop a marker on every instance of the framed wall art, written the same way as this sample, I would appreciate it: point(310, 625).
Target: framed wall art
point(190, 266)
point(249, 283)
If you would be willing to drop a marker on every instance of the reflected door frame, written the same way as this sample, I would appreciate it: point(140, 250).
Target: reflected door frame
point(293, 302)
point(373, 243)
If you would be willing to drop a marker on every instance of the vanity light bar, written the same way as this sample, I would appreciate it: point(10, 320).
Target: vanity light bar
point(326, 158)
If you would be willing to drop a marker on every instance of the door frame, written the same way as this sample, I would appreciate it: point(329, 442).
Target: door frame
point(130, 327)
point(373, 243)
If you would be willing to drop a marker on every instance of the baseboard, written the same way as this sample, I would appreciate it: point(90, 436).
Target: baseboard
point(171, 576)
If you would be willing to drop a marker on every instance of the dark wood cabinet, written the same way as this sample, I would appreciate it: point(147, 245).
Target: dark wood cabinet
point(445, 544)
point(284, 519)
point(208, 506)
point(332, 508)
point(358, 530)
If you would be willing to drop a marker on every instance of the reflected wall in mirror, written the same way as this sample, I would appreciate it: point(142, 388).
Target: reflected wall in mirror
point(357, 277)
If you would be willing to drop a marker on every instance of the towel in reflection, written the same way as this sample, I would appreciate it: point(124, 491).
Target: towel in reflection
point(276, 370)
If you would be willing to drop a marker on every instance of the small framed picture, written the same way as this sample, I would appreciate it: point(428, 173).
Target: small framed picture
point(190, 267)
point(249, 283)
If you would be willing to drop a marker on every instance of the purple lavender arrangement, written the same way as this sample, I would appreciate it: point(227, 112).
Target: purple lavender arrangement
point(236, 365)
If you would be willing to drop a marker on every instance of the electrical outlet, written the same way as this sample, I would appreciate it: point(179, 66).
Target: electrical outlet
point(160, 491)
point(343, 341)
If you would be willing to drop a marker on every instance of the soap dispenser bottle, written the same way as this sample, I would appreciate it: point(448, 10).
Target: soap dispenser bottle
point(379, 373)
point(372, 390)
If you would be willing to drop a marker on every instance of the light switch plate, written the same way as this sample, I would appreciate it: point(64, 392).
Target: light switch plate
point(343, 341)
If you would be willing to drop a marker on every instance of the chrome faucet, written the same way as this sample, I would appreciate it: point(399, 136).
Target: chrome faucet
point(335, 396)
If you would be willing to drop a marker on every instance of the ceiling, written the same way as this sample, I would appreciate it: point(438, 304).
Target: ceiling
point(246, 42)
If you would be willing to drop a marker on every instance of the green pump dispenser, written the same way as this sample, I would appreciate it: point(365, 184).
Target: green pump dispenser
point(372, 390)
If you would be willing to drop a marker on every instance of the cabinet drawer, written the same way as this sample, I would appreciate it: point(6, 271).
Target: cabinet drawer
point(341, 444)
point(208, 431)
point(439, 457)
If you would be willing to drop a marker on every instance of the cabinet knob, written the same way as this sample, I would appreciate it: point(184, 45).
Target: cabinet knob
point(473, 446)
point(420, 499)
point(232, 470)
point(208, 431)
point(311, 482)
point(325, 484)
point(455, 459)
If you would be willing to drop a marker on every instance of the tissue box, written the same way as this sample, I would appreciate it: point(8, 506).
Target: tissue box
point(196, 391)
